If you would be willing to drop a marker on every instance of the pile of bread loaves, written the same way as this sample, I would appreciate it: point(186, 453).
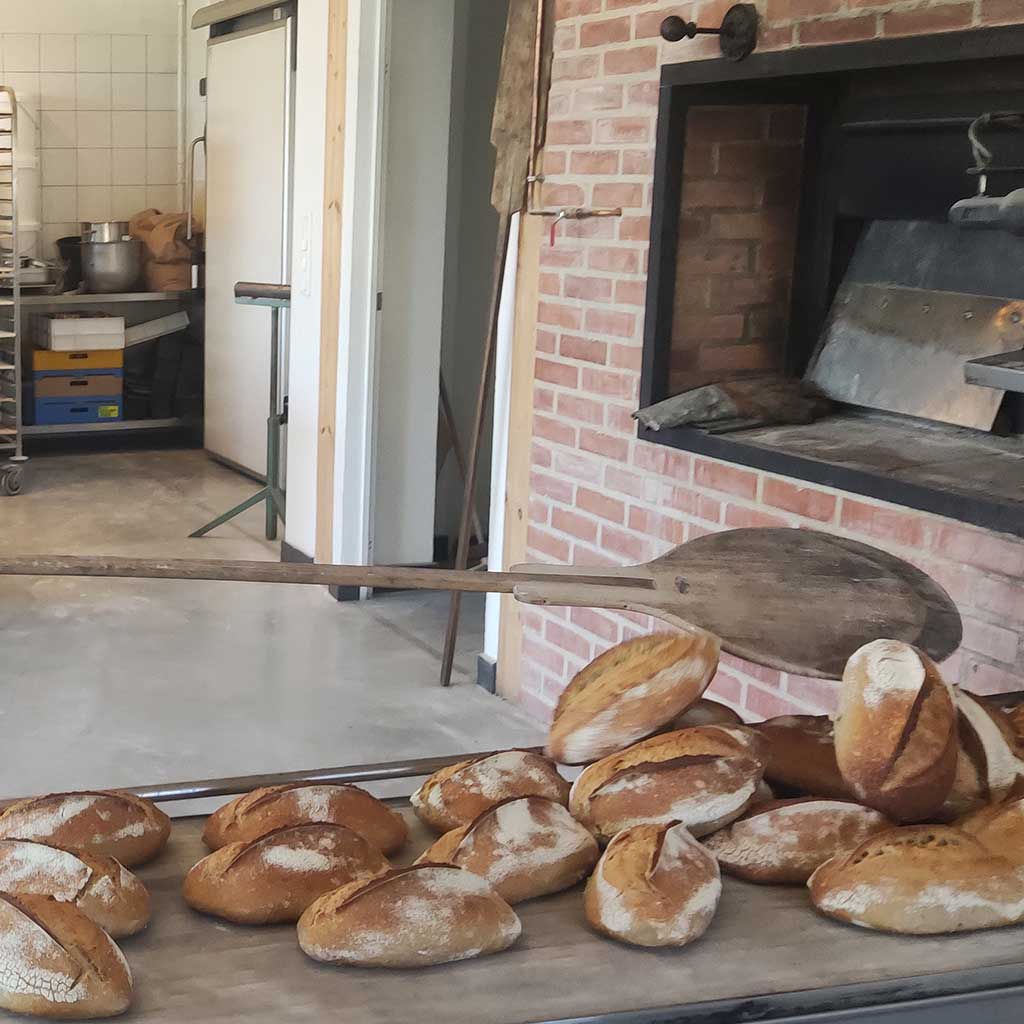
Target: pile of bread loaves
point(906, 815)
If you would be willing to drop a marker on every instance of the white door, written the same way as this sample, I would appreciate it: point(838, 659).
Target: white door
point(247, 96)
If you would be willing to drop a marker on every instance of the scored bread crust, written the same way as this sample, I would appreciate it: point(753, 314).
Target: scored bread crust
point(783, 842)
point(266, 810)
point(412, 917)
point(999, 828)
point(896, 733)
point(630, 692)
point(56, 963)
point(459, 793)
point(920, 880)
point(525, 847)
point(802, 755)
point(101, 887)
point(704, 777)
point(655, 885)
point(1015, 716)
point(273, 879)
point(988, 741)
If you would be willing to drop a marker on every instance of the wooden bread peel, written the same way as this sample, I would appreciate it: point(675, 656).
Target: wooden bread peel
point(794, 600)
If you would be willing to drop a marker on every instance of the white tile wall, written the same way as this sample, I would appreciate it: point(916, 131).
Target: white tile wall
point(107, 107)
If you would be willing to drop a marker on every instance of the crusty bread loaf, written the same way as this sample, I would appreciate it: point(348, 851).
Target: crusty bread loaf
point(413, 917)
point(705, 712)
point(629, 692)
point(781, 843)
point(276, 877)
point(56, 963)
point(896, 734)
point(1015, 716)
point(802, 755)
point(1000, 829)
point(456, 795)
point(655, 885)
point(704, 777)
point(988, 740)
point(104, 890)
point(920, 880)
point(266, 810)
point(107, 823)
point(526, 847)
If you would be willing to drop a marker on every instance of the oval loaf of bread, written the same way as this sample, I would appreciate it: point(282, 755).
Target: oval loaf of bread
point(1015, 716)
point(629, 692)
point(896, 733)
point(781, 843)
point(1000, 829)
point(526, 847)
point(274, 878)
point(266, 810)
point(989, 742)
point(100, 887)
point(920, 880)
point(55, 962)
point(704, 777)
point(802, 755)
point(705, 712)
point(108, 823)
point(456, 795)
point(655, 885)
point(413, 917)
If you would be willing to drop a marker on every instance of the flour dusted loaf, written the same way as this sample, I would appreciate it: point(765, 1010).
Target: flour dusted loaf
point(896, 733)
point(655, 885)
point(991, 745)
point(266, 810)
point(413, 917)
point(527, 847)
point(801, 755)
point(458, 794)
point(920, 880)
point(273, 879)
point(704, 777)
point(781, 843)
point(1015, 716)
point(1000, 829)
point(105, 891)
point(705, 712)
point(629, 692)
point(56, 963)
point(108, 823)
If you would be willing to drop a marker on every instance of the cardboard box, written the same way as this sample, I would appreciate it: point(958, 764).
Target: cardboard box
point(61, 332)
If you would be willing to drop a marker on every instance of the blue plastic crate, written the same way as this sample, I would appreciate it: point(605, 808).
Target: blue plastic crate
point(73, 372)
point(52, 411)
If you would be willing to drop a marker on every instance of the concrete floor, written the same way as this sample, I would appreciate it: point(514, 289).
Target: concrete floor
point(117, 682)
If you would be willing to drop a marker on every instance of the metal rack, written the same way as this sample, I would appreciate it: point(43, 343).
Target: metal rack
point(10, 302)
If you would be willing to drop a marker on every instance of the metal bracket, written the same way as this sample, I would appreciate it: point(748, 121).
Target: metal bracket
point(737, 35)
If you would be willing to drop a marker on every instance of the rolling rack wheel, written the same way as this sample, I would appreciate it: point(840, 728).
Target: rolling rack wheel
point(10, 481)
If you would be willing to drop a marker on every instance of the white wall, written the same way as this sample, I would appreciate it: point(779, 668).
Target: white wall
point(74, 16)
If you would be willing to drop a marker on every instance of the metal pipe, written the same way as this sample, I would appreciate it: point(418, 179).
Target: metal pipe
point(538, 56)
point(190, 184)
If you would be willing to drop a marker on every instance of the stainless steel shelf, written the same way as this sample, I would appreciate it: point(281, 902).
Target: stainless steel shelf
point(72, 299)
point(123, 426)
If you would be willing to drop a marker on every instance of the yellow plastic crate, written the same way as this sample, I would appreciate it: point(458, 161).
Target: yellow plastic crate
point(45, 361)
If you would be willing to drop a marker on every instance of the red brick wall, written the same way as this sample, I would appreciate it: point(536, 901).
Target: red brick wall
point(599, 495)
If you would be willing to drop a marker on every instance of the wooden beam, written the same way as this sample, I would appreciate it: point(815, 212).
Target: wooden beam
point(330, 299)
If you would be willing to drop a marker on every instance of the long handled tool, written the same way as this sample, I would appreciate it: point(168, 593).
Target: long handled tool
point(794, 600)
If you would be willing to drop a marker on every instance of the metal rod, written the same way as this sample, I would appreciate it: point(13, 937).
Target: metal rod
point(538, 56)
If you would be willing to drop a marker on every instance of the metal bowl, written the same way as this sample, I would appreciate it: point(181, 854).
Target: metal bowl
point(105, 231)
point(109, 267)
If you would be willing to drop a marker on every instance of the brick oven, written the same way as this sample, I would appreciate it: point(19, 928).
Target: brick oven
point(719, 268)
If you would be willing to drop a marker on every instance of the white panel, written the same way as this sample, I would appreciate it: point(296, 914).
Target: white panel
point(244, 181)
point(419, 112)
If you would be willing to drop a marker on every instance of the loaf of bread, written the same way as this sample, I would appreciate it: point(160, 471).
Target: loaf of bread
point(629, 692)
point(100, 887)
point(458, 794)
point(526, 847)
point(1000, 829)
point(920, 880)
point(1015, 716)
point(413, 917)
point(273, 879)
point(781, 843)
point(801, 755)
point(266, 810)
point(56, 963)
point(988, 740)
point(703, 777)
point(896, 734)
point(110, 824)
point(655, 885)
point(705, 712)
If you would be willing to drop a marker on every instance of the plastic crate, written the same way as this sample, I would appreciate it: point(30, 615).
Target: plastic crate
point(53, 411)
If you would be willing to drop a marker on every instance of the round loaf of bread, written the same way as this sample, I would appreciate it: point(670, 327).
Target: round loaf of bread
point(896, 734)
point(107, 823)
point(705, 712)
point(266, 810)
point(273, 879)
point(655, 885)
point(1000, 829)
point(413, 917)
point(527, 847)
point(781, 843)
point(801, 755)
point(988, 741)
point(105, 891)
point(56, 963)
point(458, 794)
point(920, 880)
point(629, 692)
point(704, 777)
